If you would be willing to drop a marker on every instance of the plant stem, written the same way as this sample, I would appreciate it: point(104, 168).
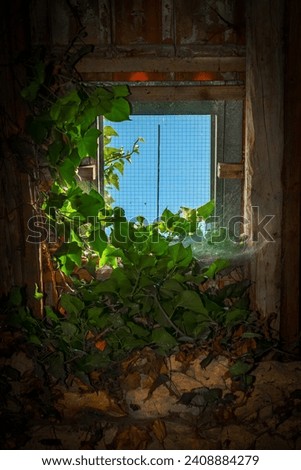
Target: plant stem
point(167, 318)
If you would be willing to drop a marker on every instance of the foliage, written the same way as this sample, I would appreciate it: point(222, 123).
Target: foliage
point(62, 124)
point(153, 295)
point(156, 304)
point(115, 159)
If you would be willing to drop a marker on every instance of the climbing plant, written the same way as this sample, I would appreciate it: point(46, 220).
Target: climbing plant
point(63, 127)
point(152, 296)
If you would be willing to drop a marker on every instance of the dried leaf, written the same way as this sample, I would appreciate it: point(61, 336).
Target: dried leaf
point(101, 345)
point(89, 335)
point(159, 430)
point(131, 438)
point(239, 331)
point(185, 357)
point(83, 274)
point(131, 381)
point(201, 396)
point(186, 398)
point(207, 360)
point(101, 401)
point(244, 347)
point(160, 380)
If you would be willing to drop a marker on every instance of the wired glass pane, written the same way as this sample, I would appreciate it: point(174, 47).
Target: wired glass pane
point(173, 168)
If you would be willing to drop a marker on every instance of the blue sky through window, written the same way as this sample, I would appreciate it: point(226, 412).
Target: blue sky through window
point(173, 167)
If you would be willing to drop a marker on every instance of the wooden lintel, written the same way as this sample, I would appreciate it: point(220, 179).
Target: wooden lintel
point(230, 170)
point(186, 93)
point(98, 64)
point(166, 50)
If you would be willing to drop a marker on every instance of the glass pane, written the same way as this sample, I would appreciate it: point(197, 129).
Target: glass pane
point(173, 168)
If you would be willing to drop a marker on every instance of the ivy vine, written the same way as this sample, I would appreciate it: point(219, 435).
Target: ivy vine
point(152, 296)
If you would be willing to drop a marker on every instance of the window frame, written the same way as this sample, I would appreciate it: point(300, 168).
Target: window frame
point(226, 105)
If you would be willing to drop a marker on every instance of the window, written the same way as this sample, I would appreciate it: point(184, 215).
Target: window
point(212, 137)
point(173, 168)
point(178, 163)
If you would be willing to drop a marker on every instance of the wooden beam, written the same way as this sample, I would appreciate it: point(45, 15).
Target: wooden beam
point(98, 64)
point(186, 93)
point(264, 152)
point(230, 170)
point(290, 322)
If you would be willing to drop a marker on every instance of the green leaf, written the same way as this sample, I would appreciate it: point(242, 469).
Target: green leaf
point(99, 241)
point(101, 94)
point(120, 110)
point(120, 90)
point(86, 118)
point(106, 287)
point(138, 330)
point(97, 318)
point(158, 247)
point(67, 170)
point(240, 368)
point(146, 262)
point(190, 321)
point(72, 304)
point(121, 236)
point(212, 306)
point(34, 339)
point(122, 280)
point(96, 360)
point(51, 315)
point(206, 210)
point(54, 151)
point(181, 256)
point(37, 295)
point(71, 250)
point(93, 361)
point(190, 300)
point(173, 285)
point(110, 255)
point(66, 108)
point(215, 267)
point(166, 215)
point(163, 339)
point(250, 334)
point(87, 145)
point(236, 316)
point(108, 131)
point(89, 205)
point(68, 329)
